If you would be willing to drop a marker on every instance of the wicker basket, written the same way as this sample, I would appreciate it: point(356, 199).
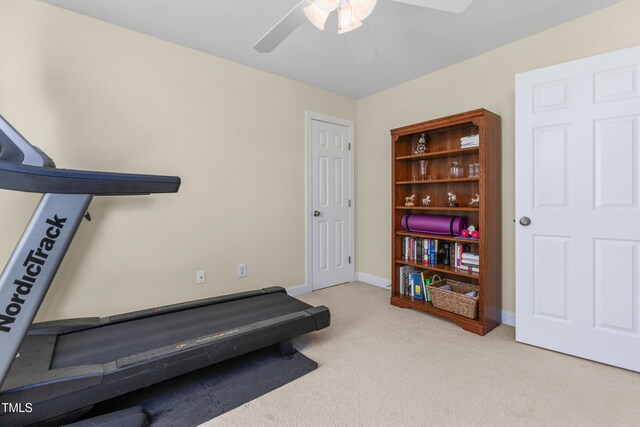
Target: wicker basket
point(454, 300)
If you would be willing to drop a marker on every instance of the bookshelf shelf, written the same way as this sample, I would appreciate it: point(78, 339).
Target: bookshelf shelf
point(437, 208)
point(443, 147)
point(438, 181)
point(439, 237)
point(440, 154)
point(442, 269)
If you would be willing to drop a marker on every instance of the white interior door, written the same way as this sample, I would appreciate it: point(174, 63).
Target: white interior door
point(331, 203)
point(577, 180)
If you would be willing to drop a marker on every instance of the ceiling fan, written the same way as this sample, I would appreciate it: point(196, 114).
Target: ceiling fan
point(351, 13)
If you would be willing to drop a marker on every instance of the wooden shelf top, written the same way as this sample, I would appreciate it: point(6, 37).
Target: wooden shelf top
point(438, 181)
point(437, 208)
point(468, 117)
point(440, 154)
point(438, 237)
point(442, 269)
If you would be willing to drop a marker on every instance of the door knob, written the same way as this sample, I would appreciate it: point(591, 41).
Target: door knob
point(525, 220)
point(316, 213)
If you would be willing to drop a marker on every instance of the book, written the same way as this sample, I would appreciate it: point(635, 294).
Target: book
point(425, 251)
point(432, 251)
point(426, 281)
point(413, 249)
point(462, 252)
point(405, 288)
point(417, 285)
point(404, 248)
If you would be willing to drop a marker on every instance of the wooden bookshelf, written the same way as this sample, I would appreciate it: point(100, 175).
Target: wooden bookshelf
point(443, 146)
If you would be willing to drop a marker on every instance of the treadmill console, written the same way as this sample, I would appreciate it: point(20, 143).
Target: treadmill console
point(24, 167)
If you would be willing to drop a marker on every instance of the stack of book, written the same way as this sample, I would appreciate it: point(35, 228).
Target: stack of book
point(470, 261)
point(413, 283)
point(458, 250)
point(470, 141)
point(432, 251)
point(419, 250)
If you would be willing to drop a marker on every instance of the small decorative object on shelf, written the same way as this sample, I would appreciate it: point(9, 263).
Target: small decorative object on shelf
point(456, 170)
point(426, 201)
point(410, 201)
point(421, 148)
point(452, 200)
point(471, 232)
point(445, 254)
point(423, 170)
point(474, 170)
point(475, 201)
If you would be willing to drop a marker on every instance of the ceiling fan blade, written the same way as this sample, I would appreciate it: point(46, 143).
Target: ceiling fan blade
point(454, 6)
point(282, 29)
point(362, 46)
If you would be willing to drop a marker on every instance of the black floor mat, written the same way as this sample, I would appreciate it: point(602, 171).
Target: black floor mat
point(201, 395)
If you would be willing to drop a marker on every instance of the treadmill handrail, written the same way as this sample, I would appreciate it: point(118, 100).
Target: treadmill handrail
point(33, 179)
point(15, 148)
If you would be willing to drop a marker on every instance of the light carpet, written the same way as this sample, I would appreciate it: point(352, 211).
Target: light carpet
point(381, 365)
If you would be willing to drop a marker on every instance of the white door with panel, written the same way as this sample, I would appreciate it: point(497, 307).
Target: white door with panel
point(578, 208)
point(331, 202)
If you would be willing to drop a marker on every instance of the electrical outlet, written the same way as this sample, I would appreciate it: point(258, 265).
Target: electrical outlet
point(242, 271)
point(200, 277)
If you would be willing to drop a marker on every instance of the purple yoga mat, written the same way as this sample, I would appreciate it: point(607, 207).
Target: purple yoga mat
point(434, 224)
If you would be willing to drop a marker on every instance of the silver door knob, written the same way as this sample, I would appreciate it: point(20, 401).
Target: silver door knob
point(316, 213)
point(525, 220)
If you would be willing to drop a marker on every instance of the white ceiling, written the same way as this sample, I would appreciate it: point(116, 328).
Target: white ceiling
point(411, 41)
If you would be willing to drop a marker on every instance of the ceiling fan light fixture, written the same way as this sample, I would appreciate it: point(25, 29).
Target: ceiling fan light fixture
point(363, 8)
point(316, 15)
point(327, 5)
point(347, 20)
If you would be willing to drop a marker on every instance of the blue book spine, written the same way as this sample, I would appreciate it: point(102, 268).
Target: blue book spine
point(432, 252)
point(418, 286)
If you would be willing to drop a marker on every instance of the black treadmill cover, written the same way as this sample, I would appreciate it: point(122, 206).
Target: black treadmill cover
point(112, 342)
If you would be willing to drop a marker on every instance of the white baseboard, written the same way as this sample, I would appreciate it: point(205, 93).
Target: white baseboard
point(373, 280)
point(297, 290)
point(508, 318)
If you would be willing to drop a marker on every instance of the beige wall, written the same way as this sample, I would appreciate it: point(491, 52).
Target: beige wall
point(484, 81)
point(96, 96)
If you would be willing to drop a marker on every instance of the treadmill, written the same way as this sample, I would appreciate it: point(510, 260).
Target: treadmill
point(57, 370)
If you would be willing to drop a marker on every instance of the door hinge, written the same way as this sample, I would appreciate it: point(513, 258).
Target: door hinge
point(349, 202)
point(349, 146)
point(349, 260)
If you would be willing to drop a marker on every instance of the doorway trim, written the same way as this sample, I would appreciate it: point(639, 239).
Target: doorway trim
point(309, 117)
